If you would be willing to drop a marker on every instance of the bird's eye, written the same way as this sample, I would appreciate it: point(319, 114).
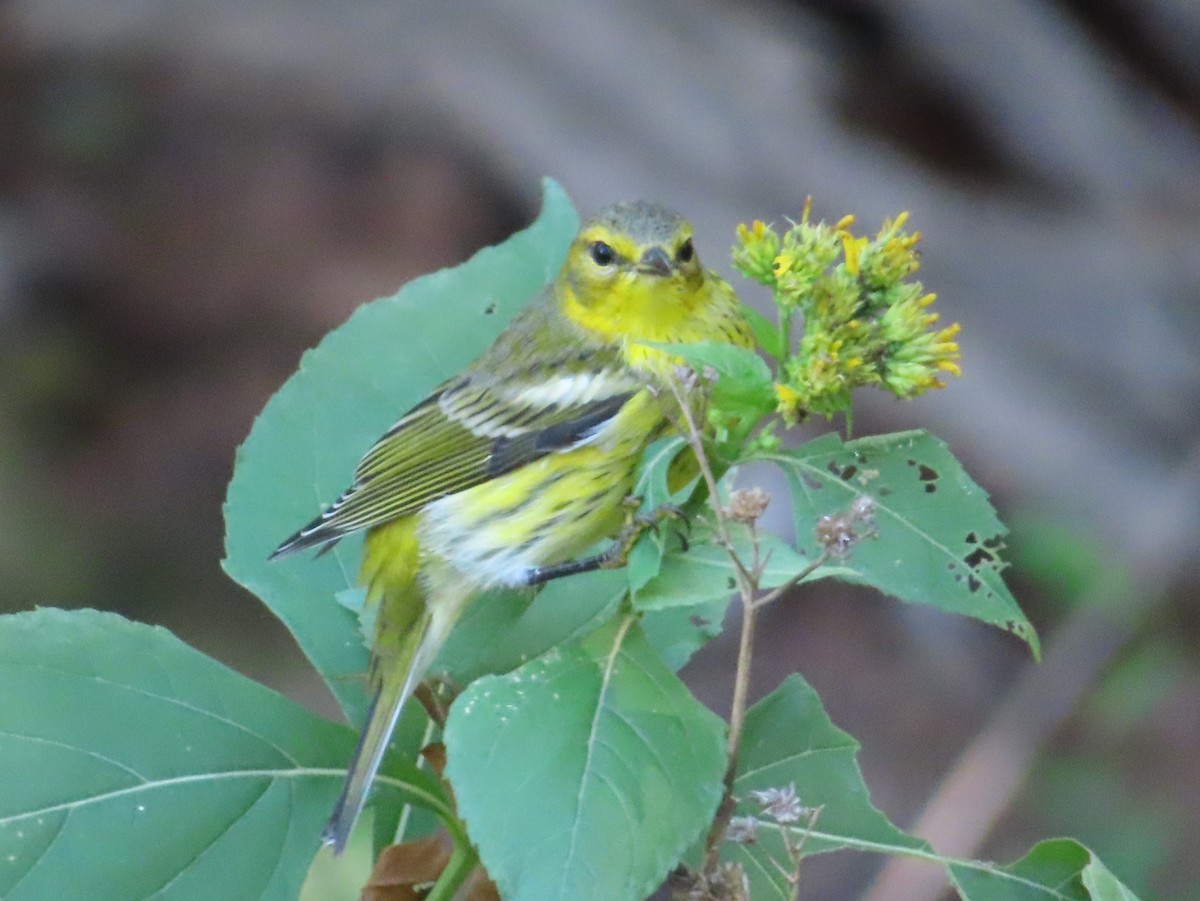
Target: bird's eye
point(602, 254)
point(686, 251)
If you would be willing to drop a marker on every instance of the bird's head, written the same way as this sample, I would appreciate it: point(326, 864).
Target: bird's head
point(634, 265)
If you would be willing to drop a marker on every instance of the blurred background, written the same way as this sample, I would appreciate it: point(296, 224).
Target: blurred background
point(192, 193)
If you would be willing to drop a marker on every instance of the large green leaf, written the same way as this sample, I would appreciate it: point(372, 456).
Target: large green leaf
point(349, 390)
point(585, 773)
point(1054, 870)
point(939, 540)
point(134, 766)
point(503, 629)
point(790, 740)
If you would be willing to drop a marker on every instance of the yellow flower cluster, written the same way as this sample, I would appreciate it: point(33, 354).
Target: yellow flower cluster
point(755, 252)
point(866, 320)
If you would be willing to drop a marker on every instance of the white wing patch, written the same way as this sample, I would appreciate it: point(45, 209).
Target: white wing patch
point(494, 421)
point(580, 388)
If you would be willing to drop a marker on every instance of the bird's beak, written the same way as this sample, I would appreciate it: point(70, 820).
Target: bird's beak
point(655, 262)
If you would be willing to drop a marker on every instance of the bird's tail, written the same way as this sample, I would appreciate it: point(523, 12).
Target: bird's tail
point(398, 682)
point(403, 654)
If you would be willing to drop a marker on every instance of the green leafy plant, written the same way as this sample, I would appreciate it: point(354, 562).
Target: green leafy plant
point(581, 767)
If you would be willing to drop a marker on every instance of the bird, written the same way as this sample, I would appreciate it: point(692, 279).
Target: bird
point(508, 472)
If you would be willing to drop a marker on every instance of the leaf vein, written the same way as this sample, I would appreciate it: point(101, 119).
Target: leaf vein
point(584, 781)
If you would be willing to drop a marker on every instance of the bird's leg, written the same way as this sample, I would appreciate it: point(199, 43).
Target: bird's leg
point(617, 554)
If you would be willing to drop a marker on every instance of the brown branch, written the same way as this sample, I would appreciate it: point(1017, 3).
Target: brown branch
point(737, 720)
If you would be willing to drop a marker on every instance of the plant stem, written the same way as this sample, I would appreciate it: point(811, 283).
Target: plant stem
point(747, 583)
point(737, 712)
point(691, 433)
point(752, 600)
point(737, 720)
point(741, 689)
point(463, 860)
point(776, 593)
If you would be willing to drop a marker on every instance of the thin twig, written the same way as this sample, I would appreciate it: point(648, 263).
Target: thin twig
point(795, 850)
point(737, 719)
point(747, 581)
point(691, 434)
point(780, 590)
point(747, 587)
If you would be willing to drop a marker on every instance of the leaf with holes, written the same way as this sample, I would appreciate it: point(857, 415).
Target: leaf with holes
point(935, 538)
point(135, 766)
point(584, 774)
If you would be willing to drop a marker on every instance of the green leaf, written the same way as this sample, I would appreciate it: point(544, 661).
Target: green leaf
point(136, 766)
point(741, 396)
point(789, 739)
point(1055, 870)
point(1102, 885)
point(503, 629)
point(766, 333)
point(699, 575)
point(585, 773)
point(678, 632)
point(704, 572)
point(938, 540)
point(651, 485)
point(359, 380)
point(744, 383)
point(653, 489)
point(685, 601)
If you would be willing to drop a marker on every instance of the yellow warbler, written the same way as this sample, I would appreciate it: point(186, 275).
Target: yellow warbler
point(511, 470)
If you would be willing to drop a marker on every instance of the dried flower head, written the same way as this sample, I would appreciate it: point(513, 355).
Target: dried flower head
point(839, 532)
point(746, 505)
point(687, 377)
point(742, 831)
point(726, 882)
point(781, 804)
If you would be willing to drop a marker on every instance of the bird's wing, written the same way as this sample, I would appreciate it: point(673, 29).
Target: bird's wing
point(471, 430)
